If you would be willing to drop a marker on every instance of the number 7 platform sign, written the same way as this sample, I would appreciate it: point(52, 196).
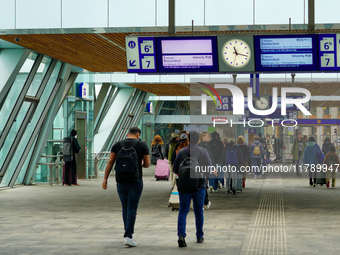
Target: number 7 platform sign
point(329, 52)
point(140, 54)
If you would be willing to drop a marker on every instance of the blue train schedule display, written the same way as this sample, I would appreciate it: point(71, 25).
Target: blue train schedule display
point(279, 53)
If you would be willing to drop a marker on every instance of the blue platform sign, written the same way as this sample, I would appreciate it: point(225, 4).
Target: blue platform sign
point(329, 52)
point(140, 54)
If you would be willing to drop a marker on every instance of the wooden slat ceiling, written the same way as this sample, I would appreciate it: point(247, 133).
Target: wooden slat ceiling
point(316, 88)
point(88, 51)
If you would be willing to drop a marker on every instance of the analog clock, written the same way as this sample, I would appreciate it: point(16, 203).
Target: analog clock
point(262, 103)
point(236, 53)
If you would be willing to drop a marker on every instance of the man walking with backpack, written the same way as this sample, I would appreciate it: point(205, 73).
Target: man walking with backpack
point(257, 153)
point(191, 185)
point(128, 155)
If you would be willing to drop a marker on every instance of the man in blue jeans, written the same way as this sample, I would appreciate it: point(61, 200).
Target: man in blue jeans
point(198, 197)
point(129, 181)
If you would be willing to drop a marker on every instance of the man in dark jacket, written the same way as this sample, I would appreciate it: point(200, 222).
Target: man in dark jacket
point(203, 159)
point(298, 149)
point(215, 147)
point(230, 151)
point(72, 165)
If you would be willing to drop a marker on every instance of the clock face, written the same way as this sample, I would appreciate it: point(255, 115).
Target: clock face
point(262, 103)
point(236, 53)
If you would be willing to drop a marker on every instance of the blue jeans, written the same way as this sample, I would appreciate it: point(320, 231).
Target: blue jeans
point(257, 169)
point(129, 194)
point(213, 181)
point(184, 206)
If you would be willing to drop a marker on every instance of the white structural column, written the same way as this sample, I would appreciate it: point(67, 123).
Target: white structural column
point(334, 115)
point(319, 129)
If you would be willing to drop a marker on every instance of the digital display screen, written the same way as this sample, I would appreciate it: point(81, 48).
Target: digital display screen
point(286, 53)
point(187, 54)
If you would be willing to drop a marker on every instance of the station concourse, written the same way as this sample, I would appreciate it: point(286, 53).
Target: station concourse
point(106, 66)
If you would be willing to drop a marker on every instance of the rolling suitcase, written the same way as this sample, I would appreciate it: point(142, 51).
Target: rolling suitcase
point(239, 183)
point(162, 170)
point(174, 200)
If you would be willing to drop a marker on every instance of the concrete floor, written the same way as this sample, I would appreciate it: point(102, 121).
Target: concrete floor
point(273, 215)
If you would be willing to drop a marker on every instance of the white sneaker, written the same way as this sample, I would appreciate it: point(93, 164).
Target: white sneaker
point(255, 176)
point(130, 242)
point(215, 191)
point(260, 176)
point(207, 206)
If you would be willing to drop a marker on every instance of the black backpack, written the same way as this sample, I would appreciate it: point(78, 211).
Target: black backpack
point(156, 150)
point(189, 181)
point(126, 167)
point(68, 149)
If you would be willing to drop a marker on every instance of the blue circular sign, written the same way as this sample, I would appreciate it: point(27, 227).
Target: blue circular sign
point(132, 44)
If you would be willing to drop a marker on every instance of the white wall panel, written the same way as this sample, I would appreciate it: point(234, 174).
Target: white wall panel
point(189, 10)
point(279, 12)
point(221, 12)
point(132, 13)
point(38, 14)
point(84, 13)
point(7, 14)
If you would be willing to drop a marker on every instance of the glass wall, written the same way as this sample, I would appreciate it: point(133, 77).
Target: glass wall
point(63, 123)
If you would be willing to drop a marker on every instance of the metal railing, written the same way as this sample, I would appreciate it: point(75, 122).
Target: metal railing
point(98, 158)
point(55, 166)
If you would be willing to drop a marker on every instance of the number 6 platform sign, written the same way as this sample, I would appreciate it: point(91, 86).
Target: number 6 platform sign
point(329, 52)
point(140, 54)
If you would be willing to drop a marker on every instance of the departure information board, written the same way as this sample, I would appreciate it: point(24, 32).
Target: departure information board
point(286, 53)
point(187, 54)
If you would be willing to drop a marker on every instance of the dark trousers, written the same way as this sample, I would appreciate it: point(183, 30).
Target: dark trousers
point(70, 166)
point(184, 207)
point(129, 194)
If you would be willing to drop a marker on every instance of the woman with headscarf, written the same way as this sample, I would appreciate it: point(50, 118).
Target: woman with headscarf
point(157, 149)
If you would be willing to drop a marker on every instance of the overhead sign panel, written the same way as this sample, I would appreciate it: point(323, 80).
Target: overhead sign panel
point(329, 52)
point(277, 53)
point(140, 54)
point(187, 54)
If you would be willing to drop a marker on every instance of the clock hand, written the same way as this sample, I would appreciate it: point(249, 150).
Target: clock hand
point(242, 55)
point(235, 51)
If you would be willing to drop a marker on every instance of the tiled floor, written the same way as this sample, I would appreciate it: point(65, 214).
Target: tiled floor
point(272, 215)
